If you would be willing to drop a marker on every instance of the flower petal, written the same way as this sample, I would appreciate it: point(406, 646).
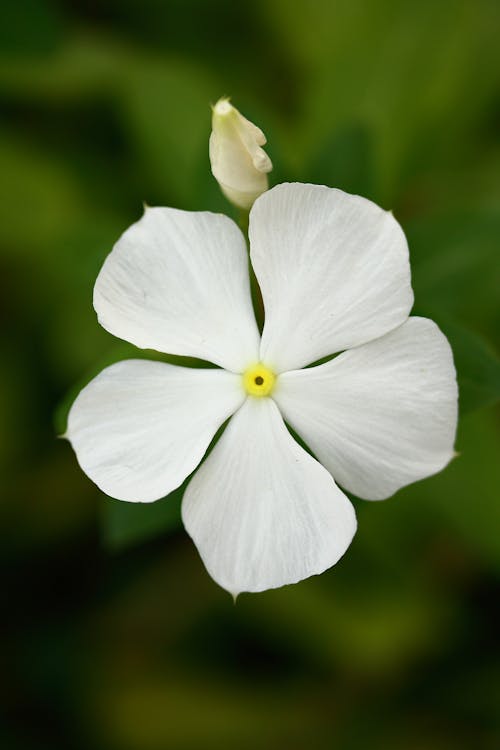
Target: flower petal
point(262, 511)
point(333, 269)
point(140, 428)
point(380, 416)
point(177, 281)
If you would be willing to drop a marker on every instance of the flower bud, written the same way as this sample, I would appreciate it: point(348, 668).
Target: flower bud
point(238, 162)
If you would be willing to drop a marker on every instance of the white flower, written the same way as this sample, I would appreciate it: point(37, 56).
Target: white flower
point(334, 274)
point(238, 162)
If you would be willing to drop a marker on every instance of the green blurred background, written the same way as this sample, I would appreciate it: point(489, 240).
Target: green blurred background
point(114, 637)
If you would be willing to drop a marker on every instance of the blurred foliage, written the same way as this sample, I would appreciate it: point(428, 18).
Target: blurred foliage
point(114, 635)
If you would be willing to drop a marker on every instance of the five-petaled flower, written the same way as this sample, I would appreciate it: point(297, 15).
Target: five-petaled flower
point(334, 274)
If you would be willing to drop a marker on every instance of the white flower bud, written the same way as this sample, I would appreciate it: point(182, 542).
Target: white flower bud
point(238, 162)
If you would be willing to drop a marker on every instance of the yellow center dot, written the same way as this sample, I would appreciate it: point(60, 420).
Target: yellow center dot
point(259, 380)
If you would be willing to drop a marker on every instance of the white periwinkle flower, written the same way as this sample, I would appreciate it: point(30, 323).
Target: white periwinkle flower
point(239, 163)
point(334, 274)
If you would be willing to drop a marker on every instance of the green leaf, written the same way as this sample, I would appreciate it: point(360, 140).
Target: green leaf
point(465, 494)
point(48, 188)
point(124, 524)
point(344, 161)
point(170, 141)
point(478, 367)
point(454, 259)
point(29, 29)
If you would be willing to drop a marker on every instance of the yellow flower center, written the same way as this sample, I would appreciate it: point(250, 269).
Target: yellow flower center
point(259, 380)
